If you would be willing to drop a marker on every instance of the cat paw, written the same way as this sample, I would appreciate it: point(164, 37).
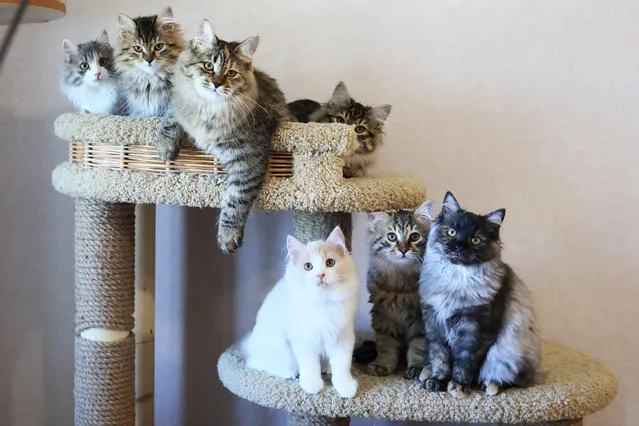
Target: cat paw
point(411, 372)
point(425, 374)
point(312, 385)
point(346, 388)
point(375, 369)
point(434, 385)
point(229, 240)
point(167, 149)
point(458, 390)
point(490, 388)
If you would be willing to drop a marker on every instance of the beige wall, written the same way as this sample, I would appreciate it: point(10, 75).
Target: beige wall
point(528, 105)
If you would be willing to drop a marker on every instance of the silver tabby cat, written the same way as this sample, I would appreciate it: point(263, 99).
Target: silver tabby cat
point(231, 111)
point(397, 251)
point(145, 59)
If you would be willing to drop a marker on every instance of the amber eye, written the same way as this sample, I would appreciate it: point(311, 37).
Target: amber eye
point(159, 47)
point(475, 240)
point(360, 129)
point(451, 232)
point(339, 119)
point(102, 62)
point(391, 236)
point(414, 236)
point(308, 266)
point(84, 66)
point(231, 73)
point(137, 48)
point(208, 66)
point(330, 262)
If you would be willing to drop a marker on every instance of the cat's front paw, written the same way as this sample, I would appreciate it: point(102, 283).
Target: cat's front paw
point(312, 384)
point(490, 388)
point(167, 149)
point(458, 390)
point(346, 388)
point(425, 374)
point(229, 240)
point(376, 369)
point(434, 385)
point(411, 372)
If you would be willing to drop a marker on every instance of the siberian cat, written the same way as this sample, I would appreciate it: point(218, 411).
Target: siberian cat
point(341, 108)
point(479, 316)
point(231, 111)
point(145, 60)
point(397, 252)
point(88, 76)
point(309, 316)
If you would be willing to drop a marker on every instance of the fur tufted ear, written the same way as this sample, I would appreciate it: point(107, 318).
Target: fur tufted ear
point(450, 203)
point(69, 47)
point(378, 220)
point(103, 38)
point(337, 238)
point(165, 22)
point(126, 27)
point(248, 47)
point(294, 247)
point(340, 96)
point(496, 217)
point(424, 214)
point(205, 33)
point(380, 113)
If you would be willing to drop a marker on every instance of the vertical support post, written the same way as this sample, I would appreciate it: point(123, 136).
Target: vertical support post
point(104, 296)
point(144, 313)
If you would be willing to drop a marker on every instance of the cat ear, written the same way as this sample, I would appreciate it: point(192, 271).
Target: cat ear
point(294, 247)
point(450, 203)
point(248, 47)
point(424, 214)
point(126, 26)
point(340, 96)
point(68, 47)
point(165, 21)
point(377, 220)
point(380, 113)
point(496, 217)
point(205, 33)
point(337, 238)
point(103, 38)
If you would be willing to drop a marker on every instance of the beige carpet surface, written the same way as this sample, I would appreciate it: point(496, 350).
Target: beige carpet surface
point(575, 386)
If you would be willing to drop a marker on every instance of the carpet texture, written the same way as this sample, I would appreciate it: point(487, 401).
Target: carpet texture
point(575, 386)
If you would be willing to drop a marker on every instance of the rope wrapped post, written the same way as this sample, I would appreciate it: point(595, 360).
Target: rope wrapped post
point(306, 420)
point(104, 295)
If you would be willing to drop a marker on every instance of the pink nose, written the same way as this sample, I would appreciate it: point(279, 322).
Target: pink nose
point(97, 75)
point(321, 276)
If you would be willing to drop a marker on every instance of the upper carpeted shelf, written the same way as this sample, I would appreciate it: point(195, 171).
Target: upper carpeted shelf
point(113, 159)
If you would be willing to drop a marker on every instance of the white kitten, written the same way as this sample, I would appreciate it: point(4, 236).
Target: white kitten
point(309, 317)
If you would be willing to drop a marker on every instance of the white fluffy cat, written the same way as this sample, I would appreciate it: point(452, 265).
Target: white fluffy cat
point(308, 317)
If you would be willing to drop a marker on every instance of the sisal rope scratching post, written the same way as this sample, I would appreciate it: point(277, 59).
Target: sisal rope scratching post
point(104, 295)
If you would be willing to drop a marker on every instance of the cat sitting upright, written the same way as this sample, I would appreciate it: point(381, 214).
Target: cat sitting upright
point(308, 317)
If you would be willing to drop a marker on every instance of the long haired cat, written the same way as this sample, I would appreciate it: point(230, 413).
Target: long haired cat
point(145, 60)
point(308, 317)
point(397, 251)
point(231, 110)
point(342, 108)
point(479, 316)
point(88, 76)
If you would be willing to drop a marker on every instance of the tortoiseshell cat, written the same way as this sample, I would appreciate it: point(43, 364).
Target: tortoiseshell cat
point(341, 108)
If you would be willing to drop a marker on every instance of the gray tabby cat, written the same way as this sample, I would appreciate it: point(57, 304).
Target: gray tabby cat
point(231, 110)
point(88, 77)
point(341, 108)
point(397, 251)
point(146, 56)
point(479, 316)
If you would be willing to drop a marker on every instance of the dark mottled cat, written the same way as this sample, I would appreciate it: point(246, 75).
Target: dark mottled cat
point(341, 108)
point(88, 77)
point(145, 60)
point(231, 110)
point(479, 316)
point(397, 251)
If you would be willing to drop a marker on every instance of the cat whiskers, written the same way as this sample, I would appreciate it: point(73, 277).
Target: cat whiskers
point(244, 108)
point(246, 97)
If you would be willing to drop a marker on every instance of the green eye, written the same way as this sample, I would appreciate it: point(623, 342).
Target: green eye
point(451, 232)
point(84, 66)
point(207, 66)
point(414, 237)
point(137, 48)
point(392, 236)
point(330, 262)
point(475, 240)
point(308, 266)
point(360, 129)
point(159, 47)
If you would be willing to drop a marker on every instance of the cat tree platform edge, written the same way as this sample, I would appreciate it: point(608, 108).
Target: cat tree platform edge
point(575, 386)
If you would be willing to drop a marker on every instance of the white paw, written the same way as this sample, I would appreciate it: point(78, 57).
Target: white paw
point(312, 385)
point(490, 389)
point(346, 388)
point(425, 374)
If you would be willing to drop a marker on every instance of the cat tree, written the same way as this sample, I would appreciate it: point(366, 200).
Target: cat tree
point(113, 167)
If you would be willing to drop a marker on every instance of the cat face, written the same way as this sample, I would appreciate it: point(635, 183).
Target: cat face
point(149, 44)
point(322, 266)
point(88, 64)
point(220, 71)
point(368, 121)
point(464, 237)
point(400, 237)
